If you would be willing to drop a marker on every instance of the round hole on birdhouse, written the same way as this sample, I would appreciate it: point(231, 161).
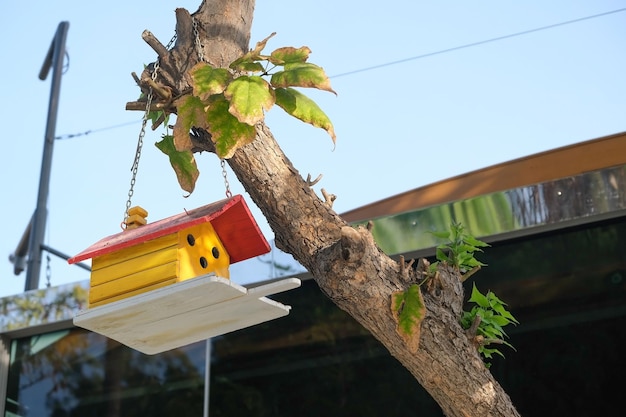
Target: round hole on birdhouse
point(203, 262)
point(215, 252)
point(191, 240)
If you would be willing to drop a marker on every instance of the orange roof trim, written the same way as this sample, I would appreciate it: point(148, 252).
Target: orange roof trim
point(567, 161)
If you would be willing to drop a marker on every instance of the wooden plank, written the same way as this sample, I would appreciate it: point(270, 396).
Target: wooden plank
point(132, 293)
point(134, 265)
point(185, 312)
point(133, 282)
point(137, 250)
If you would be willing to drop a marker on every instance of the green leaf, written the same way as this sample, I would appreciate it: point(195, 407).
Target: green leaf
point(488, 352)
point(467, 261)
point(408, 311)
point(251, 67)
point(228, 133)
point(465, 247)
point(302, 74)
point(506, 314)
point(500, 320)
point(154, 115)
point(301, 107)
point(478, 298)
point(494, 300)
point(207, 80)
point(250, 97)
point(289, 54)
point(475, 242)
point(441, 235)
point(441, 255)
point(248, 61)
point(190, 114)
point(183, 162)
point(432, 268)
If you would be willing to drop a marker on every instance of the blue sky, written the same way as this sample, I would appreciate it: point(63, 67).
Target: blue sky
point(399, 126)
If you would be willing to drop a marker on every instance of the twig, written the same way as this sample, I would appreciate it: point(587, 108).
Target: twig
point(470, 273)
point(136, 78)
point(473, 329)
point(328, 198)
point(315, 181)
point(482, 341)
point(141, 105)
point(405, 267)
point(165, 93)
point(154, 43)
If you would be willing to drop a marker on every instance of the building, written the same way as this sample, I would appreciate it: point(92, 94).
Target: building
point(557, 228)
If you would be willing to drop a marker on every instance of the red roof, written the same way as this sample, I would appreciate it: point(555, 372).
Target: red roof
point(231, 219)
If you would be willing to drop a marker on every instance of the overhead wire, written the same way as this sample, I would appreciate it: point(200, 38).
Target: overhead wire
point(88, 132)
point(472, 44)
point(413, 58)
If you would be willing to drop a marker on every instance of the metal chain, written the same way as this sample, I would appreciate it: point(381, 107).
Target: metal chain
point(200, 50)
point(226, 184)
point(142, 134)
point(48, 271)
point(169, 44)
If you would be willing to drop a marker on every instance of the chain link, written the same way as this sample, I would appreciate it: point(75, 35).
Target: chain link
point(169, 44)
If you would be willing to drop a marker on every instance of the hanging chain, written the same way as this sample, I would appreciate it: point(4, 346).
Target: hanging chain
point(48, 271)
point(142, 134)
point(226, 184)
point(200, 50)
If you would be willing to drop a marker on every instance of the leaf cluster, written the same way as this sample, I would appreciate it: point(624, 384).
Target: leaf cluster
point(492, 315)
point(229, 102)
point(489, 313)
point(459, 249)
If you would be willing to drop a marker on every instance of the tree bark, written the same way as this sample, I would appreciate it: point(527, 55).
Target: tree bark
point(345, 262)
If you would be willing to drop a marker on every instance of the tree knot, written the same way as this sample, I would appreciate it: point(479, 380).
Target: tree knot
point(352, 244)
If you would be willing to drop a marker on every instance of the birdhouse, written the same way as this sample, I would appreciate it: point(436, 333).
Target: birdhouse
point(145, 257)
point(157, 286)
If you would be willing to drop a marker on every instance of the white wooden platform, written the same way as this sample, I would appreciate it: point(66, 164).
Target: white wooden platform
point(185, 312)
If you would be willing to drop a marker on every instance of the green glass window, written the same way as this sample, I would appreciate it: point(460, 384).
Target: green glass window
point(79, 373)
point(317, 361)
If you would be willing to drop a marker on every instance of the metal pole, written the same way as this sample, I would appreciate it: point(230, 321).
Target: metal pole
point(207, 377)
point(54, 60)
point(64, 256)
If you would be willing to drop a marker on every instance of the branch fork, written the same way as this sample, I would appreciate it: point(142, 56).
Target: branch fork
point(479, 340)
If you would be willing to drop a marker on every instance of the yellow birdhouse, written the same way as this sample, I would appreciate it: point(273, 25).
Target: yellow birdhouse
point(156, 286)
point(148, 256)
